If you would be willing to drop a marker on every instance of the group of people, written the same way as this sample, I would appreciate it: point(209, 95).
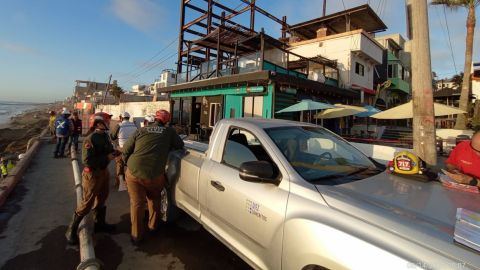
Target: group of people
point(66, 128)
point(140, 155)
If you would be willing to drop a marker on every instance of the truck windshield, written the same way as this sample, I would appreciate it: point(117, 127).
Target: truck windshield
point(320, 156)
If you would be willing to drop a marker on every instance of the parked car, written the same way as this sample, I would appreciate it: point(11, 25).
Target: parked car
point(290, 195)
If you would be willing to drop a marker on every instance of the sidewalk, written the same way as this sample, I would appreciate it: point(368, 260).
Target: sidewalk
point(35, 217)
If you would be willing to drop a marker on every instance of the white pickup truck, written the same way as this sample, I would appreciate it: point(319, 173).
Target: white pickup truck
point(289, 195)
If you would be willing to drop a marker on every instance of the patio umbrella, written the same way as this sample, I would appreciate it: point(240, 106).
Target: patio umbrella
point(340, 111)
point(307, 105)
point(405, 111)
point(370, 110)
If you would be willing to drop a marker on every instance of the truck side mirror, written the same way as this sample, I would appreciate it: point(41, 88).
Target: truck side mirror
point(259, 172)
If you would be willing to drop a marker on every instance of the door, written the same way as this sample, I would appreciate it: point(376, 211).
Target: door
point(249, 216)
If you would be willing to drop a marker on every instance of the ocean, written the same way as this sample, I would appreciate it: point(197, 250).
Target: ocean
point(11, 108)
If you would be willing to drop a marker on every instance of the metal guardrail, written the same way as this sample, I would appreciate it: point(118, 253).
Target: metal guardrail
point(87, 251)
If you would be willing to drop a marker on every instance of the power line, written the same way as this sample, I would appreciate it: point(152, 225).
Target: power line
point(344, 8)
point(146, 64)
point(151, 67)
point(449, 39)
point(446, 38)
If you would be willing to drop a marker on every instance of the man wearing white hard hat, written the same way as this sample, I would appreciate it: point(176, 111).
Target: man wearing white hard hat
point(121, 133)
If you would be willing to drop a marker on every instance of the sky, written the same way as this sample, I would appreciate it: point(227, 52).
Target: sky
point(46, 45)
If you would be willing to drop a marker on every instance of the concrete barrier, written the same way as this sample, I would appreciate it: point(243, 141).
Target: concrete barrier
point(380, 153)
point(87, 251)
point(9, 183)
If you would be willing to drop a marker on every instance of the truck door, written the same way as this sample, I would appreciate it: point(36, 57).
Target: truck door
point(249, 216)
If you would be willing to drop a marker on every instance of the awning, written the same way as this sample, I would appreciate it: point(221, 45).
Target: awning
point(364, 89)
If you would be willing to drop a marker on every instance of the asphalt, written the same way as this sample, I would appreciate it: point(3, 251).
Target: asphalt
point(36, 215)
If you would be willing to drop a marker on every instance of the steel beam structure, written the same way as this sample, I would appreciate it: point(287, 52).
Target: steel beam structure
point(198, 19)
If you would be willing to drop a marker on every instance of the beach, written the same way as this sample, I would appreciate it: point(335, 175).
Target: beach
point(15, 133)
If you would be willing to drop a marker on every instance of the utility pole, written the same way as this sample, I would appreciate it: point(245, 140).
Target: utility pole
point(324, 7)
point(422, 95)
point(106, 90)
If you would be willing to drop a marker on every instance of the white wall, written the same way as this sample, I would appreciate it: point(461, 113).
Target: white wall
point(367, 79)
point(135, 109)
point(341, 48)
point(380, 153)
point(476, 88)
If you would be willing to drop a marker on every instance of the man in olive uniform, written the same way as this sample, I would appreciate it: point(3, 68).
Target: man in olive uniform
point(96, 155)
point(145, 154)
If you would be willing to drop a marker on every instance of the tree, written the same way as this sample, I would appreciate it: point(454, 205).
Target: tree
point(457, 80)
point(116, 91)
point(461, 122)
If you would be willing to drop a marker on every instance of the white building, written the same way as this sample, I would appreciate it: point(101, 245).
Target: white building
point(446, 83)
point(345, 38)
point(476, 80)
point(140, 90)
point(167, 78)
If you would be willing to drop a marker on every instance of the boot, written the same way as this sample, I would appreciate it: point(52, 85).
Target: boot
point(99, 218)
point(71, 234)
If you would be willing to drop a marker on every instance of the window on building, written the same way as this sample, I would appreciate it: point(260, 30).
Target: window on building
point(390, 71)
point(359, 69)
point(215, 110)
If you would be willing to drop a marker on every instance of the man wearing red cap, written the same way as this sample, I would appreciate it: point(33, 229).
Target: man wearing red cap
point(145, 154)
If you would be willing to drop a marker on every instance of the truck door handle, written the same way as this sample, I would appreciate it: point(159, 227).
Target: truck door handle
point(217, 185)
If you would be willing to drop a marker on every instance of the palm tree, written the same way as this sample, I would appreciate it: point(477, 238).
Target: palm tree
point(457, 80)
point(116, 91)
point(461, 122)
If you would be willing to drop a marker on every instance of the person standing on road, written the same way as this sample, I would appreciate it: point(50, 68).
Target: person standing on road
point(77, 131)
point(6, 166)
point(63, 128)
point(145, 154)
point(121, 133)
point(97, 151)
point(51, 125)
point(463, 164)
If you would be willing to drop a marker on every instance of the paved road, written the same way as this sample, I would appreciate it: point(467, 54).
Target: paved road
point(34, 220)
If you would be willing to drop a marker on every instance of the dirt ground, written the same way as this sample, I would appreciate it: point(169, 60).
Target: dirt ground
point(15, 135)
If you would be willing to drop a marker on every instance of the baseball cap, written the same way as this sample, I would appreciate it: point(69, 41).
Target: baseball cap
point(125, 115)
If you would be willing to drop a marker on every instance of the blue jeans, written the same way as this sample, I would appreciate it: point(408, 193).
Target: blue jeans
point(73, 140)
point(60, 148)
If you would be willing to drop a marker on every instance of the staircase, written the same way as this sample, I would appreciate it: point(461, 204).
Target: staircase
point(404, 136)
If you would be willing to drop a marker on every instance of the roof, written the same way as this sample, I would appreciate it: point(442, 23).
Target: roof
point(361, 17)
point(447, 92)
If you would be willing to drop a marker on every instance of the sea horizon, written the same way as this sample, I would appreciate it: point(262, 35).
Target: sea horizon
point(9, 102)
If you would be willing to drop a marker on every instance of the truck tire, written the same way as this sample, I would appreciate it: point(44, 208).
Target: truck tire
point(169, 211)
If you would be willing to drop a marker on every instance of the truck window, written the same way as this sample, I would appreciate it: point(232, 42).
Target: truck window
point(243, 146)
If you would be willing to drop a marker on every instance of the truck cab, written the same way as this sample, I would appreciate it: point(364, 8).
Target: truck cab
point(290, 195)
